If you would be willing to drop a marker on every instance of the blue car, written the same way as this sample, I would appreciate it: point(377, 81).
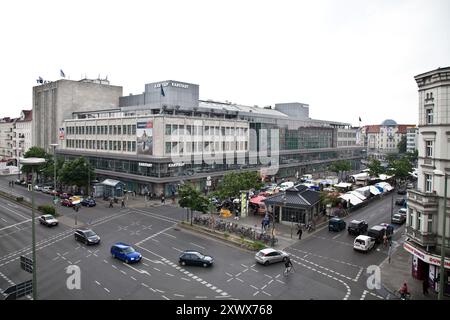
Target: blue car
point(88, 202)
point(125, 252)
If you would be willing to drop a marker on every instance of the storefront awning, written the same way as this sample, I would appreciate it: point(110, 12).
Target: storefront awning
point(350, 197)
point(257, 200)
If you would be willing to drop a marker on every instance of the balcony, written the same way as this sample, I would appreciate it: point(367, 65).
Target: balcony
point(426, 200)
point(424, 239)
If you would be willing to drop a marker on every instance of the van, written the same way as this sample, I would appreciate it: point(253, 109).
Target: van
point(378, 232)
point(286, 185)
point(336, 224)
point(363, 243)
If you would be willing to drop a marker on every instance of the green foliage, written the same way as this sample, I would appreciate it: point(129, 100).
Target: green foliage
point(401, 168)
point(36, 152)
point(233, 183)
point(402, 145)
point(412, 156)
point(193, 199)
point(375, 168)
point(76, 172)
point(329, 198)
point(226, 235)
point(339, 166)
point(258, 245)
point(47, 209)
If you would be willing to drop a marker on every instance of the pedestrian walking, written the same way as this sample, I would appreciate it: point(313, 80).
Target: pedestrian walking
point(122, 204)
point(425, 286)
point(299, 232)
point(163, 199)
point(111, 203)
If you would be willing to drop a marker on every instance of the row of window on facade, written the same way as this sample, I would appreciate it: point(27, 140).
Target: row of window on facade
point(419, 221)
point(346, 134)
point(181, 129)
point(209, 146)
point(127, 146)
point(126, 129)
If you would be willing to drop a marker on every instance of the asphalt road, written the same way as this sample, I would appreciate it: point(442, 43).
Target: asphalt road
point(326, 266)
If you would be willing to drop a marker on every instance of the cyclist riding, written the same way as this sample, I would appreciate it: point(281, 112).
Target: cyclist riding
point(287, 265)
point(404, 293)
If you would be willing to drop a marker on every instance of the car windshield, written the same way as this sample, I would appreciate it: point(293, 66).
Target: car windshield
point(89, 233)
point(129, 250)
point(354, 224)
point(48, 217)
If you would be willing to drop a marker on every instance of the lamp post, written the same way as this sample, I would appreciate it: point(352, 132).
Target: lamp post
point(54, 145)
point(439, 173)
point(87, 165)
point(33, 162)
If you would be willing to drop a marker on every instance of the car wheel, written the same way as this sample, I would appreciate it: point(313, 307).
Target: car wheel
point(113, 255)
point(266, 263)
point(284, 259)
point(85, 242)
point(183, 263)
point(205, 264)
point(127, 261)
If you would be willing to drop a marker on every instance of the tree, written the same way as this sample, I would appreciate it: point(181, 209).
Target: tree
point(412, 157)
point(192, 199)
point(36, 152)
point(76, 172)
point(401, 169)
point(340, 166)
point(402, 145)
point(375, 168)
point(233, 183)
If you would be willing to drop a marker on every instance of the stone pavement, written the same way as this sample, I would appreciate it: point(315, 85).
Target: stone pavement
point(398, 271)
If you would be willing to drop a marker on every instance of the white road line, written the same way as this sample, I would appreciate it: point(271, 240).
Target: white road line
point(133, 278)
point(123, 272)
point(185, 279)
point(239, 280)
point(6, 220)
point(153, 235)
point(165, 297)
point(156, 269)
point(17, 214)
point(97, 282)
point(106, 290)
point(114, 266)
point(145, 285)
point(15, 225)
point(337, 236)
point(201, 297)
point(197, 245)
point(178, 295)
point(170, 275)
point(177, 249)
point(253, 287)
point(169, 235)
point(255, 293)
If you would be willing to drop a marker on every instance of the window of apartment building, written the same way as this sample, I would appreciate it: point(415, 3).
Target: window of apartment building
point(133, 144)
point(168, 129)
point(110, 144)
point(429, 223)
point(168, 147)
point(115, 145)
point(428, 183)
point(124, 129)
point(428, 148)
point(206, 131)
point(418, 221)
point(119, 129)
point(129, 146)
point(133, 129)
point(124, 145)
point(129, 129)
point(429, 115)
point(188, 129)
point(181, 129)
point(217, 131)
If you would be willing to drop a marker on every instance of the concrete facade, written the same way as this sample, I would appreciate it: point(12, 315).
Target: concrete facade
point(55, 101)
point(426, 203)
point(411, 139)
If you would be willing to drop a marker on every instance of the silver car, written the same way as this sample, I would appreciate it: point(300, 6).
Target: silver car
point(269, 255)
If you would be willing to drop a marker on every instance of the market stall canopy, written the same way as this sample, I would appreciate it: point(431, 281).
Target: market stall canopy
point(343, 185)
point(374, 190)
point(257, 200)
point(354, 200)
point(384, 177)
point(384, 186)
point(358, 195)
point(111, 182)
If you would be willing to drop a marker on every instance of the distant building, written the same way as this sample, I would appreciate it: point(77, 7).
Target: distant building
point(382, 140)
point(6, 138)
point(15, 136)
point(411, 139)
point(57, 100)
point(426, 203)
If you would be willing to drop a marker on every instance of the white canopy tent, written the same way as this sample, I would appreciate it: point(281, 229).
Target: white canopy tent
point(354, 200)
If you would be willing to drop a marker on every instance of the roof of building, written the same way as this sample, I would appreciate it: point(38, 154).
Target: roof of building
point(111, 182)
point(297, 196)
point(27, 116)
point(402, 128)
point(389, 122)
point(373, 128)
point(225, 107)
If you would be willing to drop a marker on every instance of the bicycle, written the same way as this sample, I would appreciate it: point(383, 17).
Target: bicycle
point(288, 270)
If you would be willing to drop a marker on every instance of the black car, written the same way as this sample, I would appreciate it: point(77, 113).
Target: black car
point(195, 258)
point(400, 201)
point(378, 232)
point(88, 202)
point(87, 236)
point(336, 224)
point(357, 227)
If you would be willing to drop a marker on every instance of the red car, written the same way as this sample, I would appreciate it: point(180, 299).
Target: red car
point(67, 203)
point(65, 195)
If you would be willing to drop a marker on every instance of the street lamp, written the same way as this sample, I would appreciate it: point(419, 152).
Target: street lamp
point(439, 173)
point(54, 145)
point(87, 165)
point(33, 162)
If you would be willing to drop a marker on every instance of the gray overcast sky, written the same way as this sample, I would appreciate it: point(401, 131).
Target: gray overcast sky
point(345, 58)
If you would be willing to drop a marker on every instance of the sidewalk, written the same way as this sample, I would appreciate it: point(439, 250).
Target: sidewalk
point(397, 272)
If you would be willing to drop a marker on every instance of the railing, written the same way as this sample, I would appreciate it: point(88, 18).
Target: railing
point(424, 239)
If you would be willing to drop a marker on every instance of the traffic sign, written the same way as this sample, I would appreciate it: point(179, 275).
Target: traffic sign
point(19, 290)
point(26, 264)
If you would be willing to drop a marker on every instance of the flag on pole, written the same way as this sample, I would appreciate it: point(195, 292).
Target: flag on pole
point(359, 119)
point(162, 91)
point(40, 80)
point(62, 73)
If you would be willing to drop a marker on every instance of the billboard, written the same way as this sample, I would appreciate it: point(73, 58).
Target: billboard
point(61, 133)
point(144, 133)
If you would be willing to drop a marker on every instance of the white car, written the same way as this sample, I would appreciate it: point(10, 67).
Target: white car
point(269, 255)
point(38, 188)
point(402, 211)
point(286, 185)
point(363, 243)
point(48, 220)
point(47, 189)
